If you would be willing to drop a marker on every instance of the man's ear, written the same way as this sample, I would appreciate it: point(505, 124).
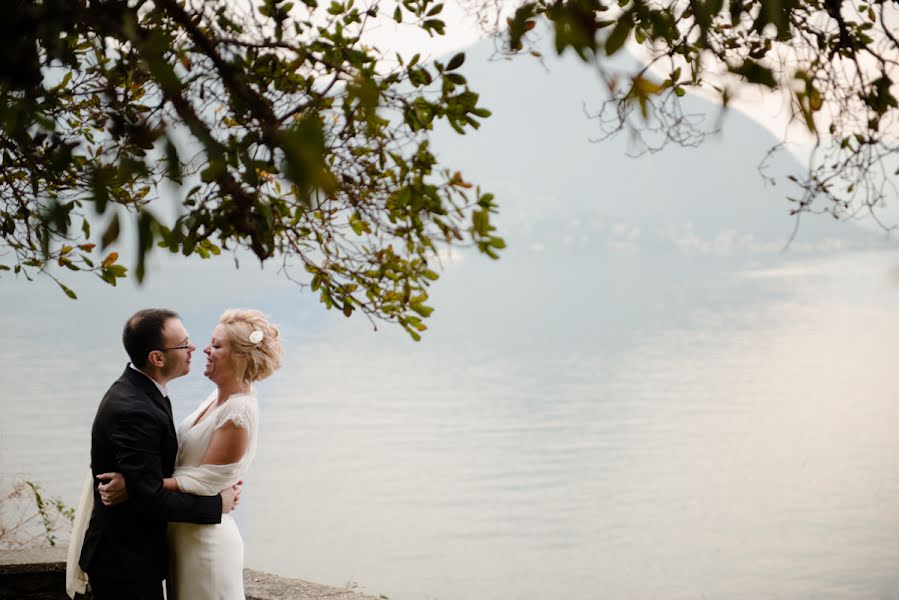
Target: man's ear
point(156, 358)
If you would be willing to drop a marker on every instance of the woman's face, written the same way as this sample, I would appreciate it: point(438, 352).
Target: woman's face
point(220, 364)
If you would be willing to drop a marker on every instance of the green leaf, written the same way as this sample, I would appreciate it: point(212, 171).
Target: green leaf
point(304, 151)
point(753, 72)
point(423, 310)
point(145, 235)
point(455, 62)
point(435, 25)
point(173, 162)
point(619, 34)
point(112, 232)
point(520, 24)
point(65, 81)
point(99, 187)
point(67, 290)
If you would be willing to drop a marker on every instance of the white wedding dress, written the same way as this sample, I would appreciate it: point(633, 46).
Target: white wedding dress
point(206, 561)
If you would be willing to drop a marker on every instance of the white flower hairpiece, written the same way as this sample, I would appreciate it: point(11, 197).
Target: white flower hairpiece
point(256, 336)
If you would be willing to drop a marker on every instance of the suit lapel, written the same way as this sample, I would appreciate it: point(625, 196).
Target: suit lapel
point(146, 384)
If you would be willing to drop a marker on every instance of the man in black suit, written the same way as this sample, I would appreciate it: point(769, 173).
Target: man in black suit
point(124, 551)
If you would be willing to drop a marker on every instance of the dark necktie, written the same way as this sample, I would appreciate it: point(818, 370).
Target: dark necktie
point(168, 407)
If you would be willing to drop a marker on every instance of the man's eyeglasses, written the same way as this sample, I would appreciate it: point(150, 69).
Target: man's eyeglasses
point(184, 346)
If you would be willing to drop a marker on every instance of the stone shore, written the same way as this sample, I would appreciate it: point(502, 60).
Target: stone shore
point(39, 574)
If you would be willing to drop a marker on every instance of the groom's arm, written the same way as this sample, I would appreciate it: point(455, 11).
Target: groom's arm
point(135, 439)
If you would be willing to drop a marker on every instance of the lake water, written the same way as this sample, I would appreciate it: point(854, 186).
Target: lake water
point(571, 427)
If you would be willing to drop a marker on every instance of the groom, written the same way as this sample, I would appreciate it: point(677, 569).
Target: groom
point(124, 551)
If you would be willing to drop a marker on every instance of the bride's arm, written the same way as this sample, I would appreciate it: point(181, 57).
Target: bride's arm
point(227, 446)
point(112, 487)
point(220, 466)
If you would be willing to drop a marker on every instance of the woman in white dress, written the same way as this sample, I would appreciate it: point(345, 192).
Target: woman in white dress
point(216, 444)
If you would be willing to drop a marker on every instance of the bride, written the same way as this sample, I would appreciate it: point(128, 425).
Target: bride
point(216, 444)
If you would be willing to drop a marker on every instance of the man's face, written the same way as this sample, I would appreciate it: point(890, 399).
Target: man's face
point(179, 349)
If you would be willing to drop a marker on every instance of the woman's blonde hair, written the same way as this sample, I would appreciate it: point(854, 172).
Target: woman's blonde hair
point(258, 357)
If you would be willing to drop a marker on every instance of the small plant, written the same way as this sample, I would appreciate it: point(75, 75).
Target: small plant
point(28, 517)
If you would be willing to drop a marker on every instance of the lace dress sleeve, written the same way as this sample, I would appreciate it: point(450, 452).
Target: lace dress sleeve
point(240, 410)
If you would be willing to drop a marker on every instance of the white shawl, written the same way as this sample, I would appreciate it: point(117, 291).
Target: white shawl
point(207, 480)
point(76, 579)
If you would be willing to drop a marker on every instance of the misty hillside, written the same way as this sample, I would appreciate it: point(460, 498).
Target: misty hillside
point(557, 187)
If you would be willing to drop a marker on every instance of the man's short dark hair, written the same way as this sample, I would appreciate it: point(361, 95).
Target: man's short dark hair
point(143, 333)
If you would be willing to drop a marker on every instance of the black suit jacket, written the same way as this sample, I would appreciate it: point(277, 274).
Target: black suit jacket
point(133, 434)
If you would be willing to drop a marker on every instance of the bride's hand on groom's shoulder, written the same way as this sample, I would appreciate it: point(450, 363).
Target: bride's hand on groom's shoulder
point(112, 488)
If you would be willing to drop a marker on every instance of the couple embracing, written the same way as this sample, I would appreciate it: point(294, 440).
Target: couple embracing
point(161, 508)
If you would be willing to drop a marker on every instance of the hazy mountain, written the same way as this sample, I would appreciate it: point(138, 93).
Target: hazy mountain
point(557, 187)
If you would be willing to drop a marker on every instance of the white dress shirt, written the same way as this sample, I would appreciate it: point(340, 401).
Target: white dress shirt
point(162, 389)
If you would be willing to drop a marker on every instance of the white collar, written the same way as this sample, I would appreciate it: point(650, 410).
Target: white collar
point(162, 389)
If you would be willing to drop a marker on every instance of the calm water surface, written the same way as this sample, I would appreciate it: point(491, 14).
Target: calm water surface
point(569, 429)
